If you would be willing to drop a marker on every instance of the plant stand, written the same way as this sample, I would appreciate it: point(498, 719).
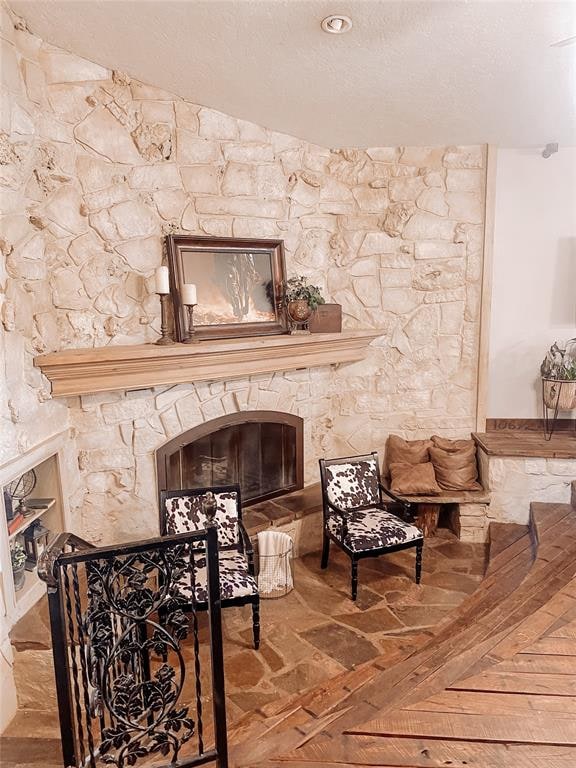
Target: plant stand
point(557, 394)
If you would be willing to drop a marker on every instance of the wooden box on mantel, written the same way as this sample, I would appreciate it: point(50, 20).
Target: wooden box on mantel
point(326, 319)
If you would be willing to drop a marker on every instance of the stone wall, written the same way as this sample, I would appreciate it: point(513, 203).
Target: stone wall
point(96, 168)
point(516, 482)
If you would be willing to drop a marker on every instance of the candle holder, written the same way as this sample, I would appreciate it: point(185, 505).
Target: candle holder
point(166, 337)
point(191, 336)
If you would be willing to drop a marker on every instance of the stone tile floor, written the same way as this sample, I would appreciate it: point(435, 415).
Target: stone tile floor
point(308, 636)
point(317, 632)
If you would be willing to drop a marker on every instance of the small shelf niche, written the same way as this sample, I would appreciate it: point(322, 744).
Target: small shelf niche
point(47, 498)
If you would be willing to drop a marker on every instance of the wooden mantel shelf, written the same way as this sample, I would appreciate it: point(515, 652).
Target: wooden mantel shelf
point(101, 369)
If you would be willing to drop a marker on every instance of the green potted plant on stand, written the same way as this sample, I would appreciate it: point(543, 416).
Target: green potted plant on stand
point(558, 371)
point(301, 300)
point(18, 559)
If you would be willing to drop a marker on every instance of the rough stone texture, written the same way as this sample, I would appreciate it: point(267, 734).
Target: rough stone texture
point(95, 168)
point(515, 482)
point(474, 523)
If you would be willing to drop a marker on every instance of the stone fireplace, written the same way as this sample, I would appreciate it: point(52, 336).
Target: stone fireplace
point(262, 451)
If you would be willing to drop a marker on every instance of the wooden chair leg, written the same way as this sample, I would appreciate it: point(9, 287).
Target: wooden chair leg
point(354, 578)
point(419, 548)
point(256, 623)
point(325, 551)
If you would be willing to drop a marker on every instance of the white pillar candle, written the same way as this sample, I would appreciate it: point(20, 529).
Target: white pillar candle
point(189, 294)
point(162, 280)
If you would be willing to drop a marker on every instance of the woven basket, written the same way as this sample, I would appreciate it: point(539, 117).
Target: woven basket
point(560, 393)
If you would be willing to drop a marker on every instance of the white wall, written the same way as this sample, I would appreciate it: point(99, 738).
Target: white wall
point(534, 274)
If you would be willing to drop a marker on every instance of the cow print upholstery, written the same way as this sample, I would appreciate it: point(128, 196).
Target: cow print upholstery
point(358, 518)
point(372, 529)
point(235, 580)
point(185, 514)
point(353, 484)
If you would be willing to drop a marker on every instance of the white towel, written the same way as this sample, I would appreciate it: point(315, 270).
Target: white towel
point(275, 571)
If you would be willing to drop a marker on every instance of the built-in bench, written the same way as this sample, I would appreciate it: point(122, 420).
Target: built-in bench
point(463, 512)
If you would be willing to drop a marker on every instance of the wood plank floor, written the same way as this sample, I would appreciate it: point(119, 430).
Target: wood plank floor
point(494, 688)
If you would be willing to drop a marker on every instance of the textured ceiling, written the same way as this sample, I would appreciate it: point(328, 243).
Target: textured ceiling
point(407, 73)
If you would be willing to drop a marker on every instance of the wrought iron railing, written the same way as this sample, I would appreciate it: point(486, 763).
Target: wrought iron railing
point(121, 634)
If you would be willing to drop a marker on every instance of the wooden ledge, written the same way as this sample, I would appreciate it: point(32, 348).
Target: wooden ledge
point(283, 510)
point(102, 369)
point(518, 444)
point(452, 497)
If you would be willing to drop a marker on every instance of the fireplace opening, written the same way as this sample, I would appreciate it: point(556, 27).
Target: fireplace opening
point(260, 450)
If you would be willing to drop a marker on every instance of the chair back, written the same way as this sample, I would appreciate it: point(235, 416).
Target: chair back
point(351, 482)
point(182, 512)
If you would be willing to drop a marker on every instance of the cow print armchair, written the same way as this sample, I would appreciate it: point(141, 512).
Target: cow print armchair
point(357, 517)
point(183, 511)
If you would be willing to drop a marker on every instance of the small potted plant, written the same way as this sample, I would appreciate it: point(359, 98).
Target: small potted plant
point(18, 559)
point(558, 372)
point(301, 300)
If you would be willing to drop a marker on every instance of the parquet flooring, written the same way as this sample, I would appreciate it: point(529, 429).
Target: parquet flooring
point(494, 688)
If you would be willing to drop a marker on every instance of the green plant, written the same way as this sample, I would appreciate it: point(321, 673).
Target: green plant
point(298, 288)
point(570, 371)
point(560, 362)
point(17, 556)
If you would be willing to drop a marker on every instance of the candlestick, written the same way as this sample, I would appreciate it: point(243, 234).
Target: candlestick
point(166, 337)
point(188, 294)
point(191, 337)
point(162, 280)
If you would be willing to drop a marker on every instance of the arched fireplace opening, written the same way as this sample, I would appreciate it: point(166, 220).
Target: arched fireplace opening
point(260, 450)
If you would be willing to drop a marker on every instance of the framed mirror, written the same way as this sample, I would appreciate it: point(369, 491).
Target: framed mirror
point(239, 285)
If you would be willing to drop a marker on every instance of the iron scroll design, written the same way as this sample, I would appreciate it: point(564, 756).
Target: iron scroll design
point(144, 711)
point(125, 624)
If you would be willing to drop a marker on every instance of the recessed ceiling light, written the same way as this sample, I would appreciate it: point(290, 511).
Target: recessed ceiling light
point(336, 24)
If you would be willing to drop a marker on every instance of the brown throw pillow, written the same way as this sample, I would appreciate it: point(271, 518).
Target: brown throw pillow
point(456, 470)
point(399, 450)
point(414, 479)
point(453, 458)
point(452, 446)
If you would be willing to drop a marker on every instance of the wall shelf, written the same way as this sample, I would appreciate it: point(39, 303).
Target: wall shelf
point(102, 369)
point(27, 521)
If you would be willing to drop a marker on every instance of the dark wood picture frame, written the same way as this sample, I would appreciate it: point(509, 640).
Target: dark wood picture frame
point(235, 279)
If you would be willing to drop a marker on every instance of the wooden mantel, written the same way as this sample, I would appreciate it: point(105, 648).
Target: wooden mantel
point(101, 369)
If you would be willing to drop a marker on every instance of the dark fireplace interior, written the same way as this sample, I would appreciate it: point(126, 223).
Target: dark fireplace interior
point(260, 450)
